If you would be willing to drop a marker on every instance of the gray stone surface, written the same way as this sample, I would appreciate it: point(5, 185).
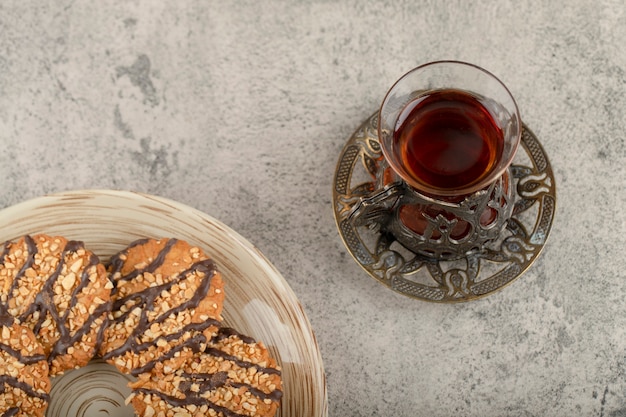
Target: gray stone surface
point(241, 108)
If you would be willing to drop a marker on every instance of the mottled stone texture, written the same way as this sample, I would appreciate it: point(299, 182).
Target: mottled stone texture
point(240, 109)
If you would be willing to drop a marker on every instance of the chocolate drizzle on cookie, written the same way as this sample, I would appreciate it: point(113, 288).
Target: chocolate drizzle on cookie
point(197, 388)
point(11, 412)
point(24, 382)
point(26, 360)
point(194, 344)
point(30, 259)
point(44, 304)
point(227, 332)
point(15, 383)
point(243, 364)
point(193, 399)
point(145, 300)
point(43, 307)
point(117, 262)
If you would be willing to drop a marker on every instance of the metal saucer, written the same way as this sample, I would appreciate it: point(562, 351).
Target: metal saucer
point(477, 274)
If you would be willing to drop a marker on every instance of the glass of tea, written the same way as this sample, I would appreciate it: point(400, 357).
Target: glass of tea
point(449, 130)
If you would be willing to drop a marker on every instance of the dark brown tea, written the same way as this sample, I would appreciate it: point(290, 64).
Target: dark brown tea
point(447, 140)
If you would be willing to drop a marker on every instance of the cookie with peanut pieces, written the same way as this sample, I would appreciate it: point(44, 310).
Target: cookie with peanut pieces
point(24, 378)
point(233, 376)
point(61, 291)
point(167, 302)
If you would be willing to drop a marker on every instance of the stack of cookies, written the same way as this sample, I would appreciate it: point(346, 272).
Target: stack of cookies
point(154, 312)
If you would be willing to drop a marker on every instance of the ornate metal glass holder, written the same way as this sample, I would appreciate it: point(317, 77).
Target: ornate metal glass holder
point(523, 200)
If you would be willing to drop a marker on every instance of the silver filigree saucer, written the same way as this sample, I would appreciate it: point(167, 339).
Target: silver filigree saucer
point(477, 274)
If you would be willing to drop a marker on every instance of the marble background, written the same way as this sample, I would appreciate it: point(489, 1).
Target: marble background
point(240, 109)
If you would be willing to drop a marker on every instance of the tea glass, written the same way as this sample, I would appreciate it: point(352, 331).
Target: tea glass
point(449, 218)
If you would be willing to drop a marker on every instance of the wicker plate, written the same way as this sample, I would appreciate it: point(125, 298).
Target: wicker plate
point(259, 302)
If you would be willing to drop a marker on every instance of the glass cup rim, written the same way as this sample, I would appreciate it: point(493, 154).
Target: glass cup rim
point(472, 187)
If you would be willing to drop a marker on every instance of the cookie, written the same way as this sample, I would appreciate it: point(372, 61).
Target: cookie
point(233, 376)
point(24, 379)
point(167, 302)
point(61, 291)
